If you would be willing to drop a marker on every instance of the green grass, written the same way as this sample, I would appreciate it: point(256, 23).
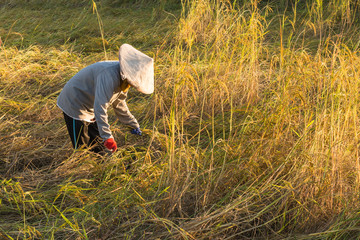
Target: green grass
point(252, 131)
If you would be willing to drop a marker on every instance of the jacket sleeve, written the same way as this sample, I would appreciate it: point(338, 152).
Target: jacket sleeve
point(122, 111)
point(104, 90)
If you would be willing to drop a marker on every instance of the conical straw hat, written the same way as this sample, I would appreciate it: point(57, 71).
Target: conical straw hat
point(137, 68)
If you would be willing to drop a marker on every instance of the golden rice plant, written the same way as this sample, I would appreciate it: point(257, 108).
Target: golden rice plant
point(271, 121)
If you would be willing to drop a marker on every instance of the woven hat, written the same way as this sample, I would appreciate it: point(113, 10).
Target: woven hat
point(137, 68)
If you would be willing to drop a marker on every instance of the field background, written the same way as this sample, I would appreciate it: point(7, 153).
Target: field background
point(252, 131)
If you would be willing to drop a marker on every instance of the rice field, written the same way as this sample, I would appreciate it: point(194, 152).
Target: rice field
point(251, 133)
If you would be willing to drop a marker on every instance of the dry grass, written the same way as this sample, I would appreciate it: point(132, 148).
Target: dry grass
point(252, 131)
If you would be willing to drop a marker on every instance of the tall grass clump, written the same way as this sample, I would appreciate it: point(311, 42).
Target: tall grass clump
point(262, 135)
point(213, 70)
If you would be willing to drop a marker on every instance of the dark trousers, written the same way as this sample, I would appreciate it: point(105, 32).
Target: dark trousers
point(84, 133)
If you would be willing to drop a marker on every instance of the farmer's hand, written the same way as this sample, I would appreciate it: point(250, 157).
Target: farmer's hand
point(136, 131)
point(110, 144)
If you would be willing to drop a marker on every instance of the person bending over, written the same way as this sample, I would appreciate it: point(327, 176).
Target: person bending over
point(86, 97)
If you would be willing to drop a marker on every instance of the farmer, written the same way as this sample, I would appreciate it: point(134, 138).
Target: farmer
point(86, 97)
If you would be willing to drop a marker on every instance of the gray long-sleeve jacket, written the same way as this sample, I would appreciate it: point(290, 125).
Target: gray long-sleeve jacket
point(89, 93)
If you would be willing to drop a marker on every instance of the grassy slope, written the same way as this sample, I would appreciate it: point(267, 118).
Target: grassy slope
point(252, 131)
